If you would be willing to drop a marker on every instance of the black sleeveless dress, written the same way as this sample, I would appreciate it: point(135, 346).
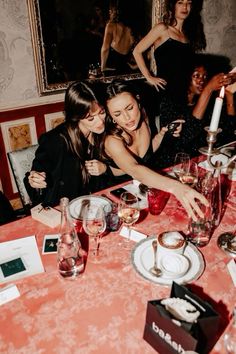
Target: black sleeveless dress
point(174, 61)
point(146, 160)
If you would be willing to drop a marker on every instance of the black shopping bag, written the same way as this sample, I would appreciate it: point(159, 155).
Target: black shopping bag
point(166, 336)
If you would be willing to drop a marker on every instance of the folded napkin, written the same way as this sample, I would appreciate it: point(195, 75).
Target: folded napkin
point(231, 172)
point(232, 270)
point(134, 235)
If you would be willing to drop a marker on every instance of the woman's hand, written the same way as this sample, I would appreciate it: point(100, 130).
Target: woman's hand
point(37, 179)
point(175, 127)
point(157, 82)
point(190, 199)
point(95, 167)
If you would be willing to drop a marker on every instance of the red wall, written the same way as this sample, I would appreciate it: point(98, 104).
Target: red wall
point(38, 113)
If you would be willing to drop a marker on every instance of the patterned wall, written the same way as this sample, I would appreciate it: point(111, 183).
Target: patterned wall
point(17, 73)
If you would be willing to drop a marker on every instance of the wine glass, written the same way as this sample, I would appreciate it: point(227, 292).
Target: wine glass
point(181, 164)
point(128, 210)
point(190, 174)
point(94, 224)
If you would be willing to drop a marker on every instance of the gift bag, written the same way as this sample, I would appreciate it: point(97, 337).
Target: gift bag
point(166, 334)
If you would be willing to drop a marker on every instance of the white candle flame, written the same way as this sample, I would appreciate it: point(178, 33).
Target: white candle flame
point(222, 92)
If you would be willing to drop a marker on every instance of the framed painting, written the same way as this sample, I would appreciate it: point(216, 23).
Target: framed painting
point(52, 120)
point(18, 134)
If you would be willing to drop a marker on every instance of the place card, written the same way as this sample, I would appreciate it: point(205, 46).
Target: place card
point(232, 270)
point(19, 258)
point(9, 293)
point(134, 235)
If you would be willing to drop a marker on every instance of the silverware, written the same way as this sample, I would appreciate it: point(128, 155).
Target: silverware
point(155, 270)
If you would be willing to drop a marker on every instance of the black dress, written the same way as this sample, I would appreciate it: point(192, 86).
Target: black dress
point(146, 160)
point(174, 61)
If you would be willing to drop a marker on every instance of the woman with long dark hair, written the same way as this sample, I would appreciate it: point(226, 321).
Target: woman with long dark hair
point(174, 41)
point(67, 161)
point(129, 144)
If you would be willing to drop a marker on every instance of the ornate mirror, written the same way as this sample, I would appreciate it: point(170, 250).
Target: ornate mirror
point(67, 37)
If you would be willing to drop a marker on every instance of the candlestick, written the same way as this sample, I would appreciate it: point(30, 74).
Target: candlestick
point(217, 111)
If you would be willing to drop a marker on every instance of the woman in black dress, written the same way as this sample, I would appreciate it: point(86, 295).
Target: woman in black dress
point(130, 144)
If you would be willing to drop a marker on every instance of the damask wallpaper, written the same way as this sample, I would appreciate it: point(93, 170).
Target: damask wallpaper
point(17, 73)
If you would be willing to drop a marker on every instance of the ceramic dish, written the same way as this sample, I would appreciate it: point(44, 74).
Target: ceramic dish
point(76, 205)
point(143, 258)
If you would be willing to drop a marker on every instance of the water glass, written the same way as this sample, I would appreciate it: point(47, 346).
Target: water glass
point(200, 231)
point(94, 224)
point(157, 200)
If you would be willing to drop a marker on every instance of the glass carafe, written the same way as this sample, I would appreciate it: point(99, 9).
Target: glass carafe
point(69, 252)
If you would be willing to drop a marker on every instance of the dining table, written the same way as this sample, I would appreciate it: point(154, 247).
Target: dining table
point(104, 309)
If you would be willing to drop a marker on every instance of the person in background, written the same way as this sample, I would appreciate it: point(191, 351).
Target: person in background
point(197, 114)
point(128, 143)
point(201, 98)
point(174, 41)
point(67, 160)
point(118, 43)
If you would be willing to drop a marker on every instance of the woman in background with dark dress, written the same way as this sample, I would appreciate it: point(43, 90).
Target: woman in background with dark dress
point(174, 40)
point(118, 43)
point(67, 162)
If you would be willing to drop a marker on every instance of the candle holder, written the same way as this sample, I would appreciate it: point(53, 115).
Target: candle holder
point(227, 240)
point(211, 139)
point(211, 151)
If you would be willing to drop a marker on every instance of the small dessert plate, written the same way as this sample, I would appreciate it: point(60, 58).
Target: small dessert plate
point(174, 265)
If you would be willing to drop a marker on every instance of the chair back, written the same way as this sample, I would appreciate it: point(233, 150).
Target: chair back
point(21, 162)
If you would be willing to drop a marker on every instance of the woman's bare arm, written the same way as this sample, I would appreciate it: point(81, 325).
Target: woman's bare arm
point(123, 158)
point(108, 36)
point(155, 36)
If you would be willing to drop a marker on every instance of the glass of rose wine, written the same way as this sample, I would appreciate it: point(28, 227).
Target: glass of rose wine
point(128, 210)
point(94, 224)
point(181, 164)
point(190, 175)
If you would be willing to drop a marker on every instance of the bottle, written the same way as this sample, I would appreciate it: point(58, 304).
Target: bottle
point(230, 336)
point(69, 252)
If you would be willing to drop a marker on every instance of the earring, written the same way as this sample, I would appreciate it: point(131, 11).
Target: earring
point(114, 121)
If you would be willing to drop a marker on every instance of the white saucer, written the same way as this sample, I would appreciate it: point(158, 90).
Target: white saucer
point(143, 258)
point(174, 265)
point(75, 206)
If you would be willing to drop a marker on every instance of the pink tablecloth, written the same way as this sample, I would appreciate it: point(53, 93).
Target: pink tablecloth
point(104, 310)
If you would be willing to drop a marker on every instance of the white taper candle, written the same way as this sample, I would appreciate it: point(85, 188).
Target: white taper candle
point(217, 111)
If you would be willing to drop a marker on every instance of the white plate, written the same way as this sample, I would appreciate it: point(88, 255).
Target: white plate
point(143, 258)
point(76, 204)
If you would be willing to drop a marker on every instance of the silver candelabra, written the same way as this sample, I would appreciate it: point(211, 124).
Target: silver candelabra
point(227, 240)
point(211, 151)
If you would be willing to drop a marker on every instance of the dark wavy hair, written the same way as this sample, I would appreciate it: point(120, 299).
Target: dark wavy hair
point(193, 27)
point(79, 98)
point(115, 88)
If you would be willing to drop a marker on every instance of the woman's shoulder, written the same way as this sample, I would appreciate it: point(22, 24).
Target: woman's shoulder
point(161, 26)
point(54, 135)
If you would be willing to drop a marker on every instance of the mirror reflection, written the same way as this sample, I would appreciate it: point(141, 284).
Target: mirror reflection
point(88, 38)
